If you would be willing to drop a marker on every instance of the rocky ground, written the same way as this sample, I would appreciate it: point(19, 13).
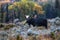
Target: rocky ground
point(19, 31)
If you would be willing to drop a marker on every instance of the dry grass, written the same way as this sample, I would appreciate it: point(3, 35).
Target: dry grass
point(57, 36)
point(40, 37)
point(16, 38)
point(11, 38)
point(44, 37)
point(8, 26)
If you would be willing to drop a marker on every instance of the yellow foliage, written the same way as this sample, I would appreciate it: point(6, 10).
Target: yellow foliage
point(38, 8)
point(25, 6)
point(16, 3)
point(10, 7)
point(24, 0)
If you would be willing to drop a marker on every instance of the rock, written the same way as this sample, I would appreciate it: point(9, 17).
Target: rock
point(19, 30)
point(33, 31)
point(57, 18)
point(54, 21)
point(57, 22)
point(16, 20)
point(51, 21)
point(3, 35)
point(25, 30)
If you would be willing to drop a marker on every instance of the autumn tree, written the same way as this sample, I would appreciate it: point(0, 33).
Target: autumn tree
point(25, 7)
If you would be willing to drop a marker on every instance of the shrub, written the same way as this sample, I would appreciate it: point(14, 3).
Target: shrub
point(19, 37)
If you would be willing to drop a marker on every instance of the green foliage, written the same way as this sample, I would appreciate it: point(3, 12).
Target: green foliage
point(53, 35)
point(22, 6)
point(25, 7)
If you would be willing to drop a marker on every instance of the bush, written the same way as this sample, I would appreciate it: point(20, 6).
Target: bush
point(53, 35)
point(25, 7)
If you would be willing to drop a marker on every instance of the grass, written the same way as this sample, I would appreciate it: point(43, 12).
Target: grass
point(8, 26)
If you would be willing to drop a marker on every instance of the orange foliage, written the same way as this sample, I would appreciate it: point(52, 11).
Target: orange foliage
point(38, 8)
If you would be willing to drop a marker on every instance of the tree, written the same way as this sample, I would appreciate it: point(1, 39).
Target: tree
point(50, 11)
point(57, 7)
point(25, 7)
